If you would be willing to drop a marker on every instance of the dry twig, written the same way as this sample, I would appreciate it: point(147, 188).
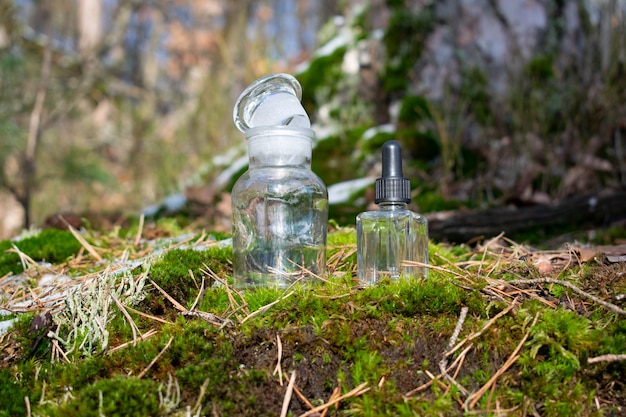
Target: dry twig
point(144, 336)
point(92, 251)
point(471, 401)
point(607, 358)
point(458, 360)
point(361, 389)
point(279, 369)
point(139, 230)
point(266, 307)
point(438, 268)
point(484, 328)
point(198, 405)
point(572, 287)
point(288, 393)
point(156, 358)
point(443, 363)
point(129, 319)
point(302, 397)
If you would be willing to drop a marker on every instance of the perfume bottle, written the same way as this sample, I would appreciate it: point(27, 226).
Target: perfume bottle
point(280, 207)
point(388, 237)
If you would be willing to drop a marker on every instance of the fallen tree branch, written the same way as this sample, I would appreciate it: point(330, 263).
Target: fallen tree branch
point(463, 225)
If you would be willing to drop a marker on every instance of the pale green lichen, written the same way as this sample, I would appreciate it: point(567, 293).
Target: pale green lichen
point(89, 308)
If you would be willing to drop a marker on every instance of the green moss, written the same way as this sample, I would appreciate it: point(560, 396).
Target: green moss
point(414, 108)
point(323, 71)
point(432, 296)
point(421, 145)
point(474, 90)
point(404, 41)
point(51, 245)
point(30, 343)
point(82, 373)
point(540, 69)
point(13, 393)
point(432, 201)
point(388, 334)
point(172, 271)
point(118, 396)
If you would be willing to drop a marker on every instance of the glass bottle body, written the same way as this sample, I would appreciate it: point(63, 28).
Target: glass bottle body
point(280, 216)
point(386, 238)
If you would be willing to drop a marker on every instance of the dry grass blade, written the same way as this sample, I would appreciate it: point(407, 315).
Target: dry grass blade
point(288, 394)
point(26, 261)
point(334, 297)
point(458, 360)
point(27, 401)
point(572, 287)
point(513, 294)
point(234, 305)
point(144, 336)
point(156, 358)
point(303, 398)
point(279, 369)
point(361, 389)
point(440, 269)
point(480, 265)
point(148, 316)
point(334, 261)
point(485, 327)
point(92, 251)
point(266, 307)
point(471, 401)
point(178, 306)
point(59, 351)
point(139, 230)
point(200, 291)
point(132, 324)
point(198, 405)
point(208, 317)
point(335, 394)
point(302, 274)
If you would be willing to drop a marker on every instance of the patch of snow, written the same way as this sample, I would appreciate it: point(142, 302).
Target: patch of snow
point(351, 64)
point(172, 203)
point(6, 325)
point(343, 38)
point(343, 191)
point(373, 131)
point(228, 174)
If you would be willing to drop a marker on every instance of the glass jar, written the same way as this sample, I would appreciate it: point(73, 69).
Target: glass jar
point(280, 207)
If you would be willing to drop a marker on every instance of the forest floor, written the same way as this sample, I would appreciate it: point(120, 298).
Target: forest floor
point(142, 322)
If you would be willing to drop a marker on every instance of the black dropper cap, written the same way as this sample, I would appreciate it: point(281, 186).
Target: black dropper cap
point(392, 187)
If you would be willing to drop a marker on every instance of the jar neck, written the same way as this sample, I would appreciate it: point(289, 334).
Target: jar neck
point(280, 146)
point(392, 206)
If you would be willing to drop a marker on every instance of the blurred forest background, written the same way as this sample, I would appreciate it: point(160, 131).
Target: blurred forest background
point(119, 106)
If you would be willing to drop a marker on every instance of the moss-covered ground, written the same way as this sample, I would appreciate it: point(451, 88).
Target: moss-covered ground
point(123, 325)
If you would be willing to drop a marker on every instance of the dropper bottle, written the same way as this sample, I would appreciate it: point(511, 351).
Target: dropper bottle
point(391, 236)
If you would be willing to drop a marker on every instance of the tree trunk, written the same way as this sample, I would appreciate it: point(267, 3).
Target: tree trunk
point(89, 25)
